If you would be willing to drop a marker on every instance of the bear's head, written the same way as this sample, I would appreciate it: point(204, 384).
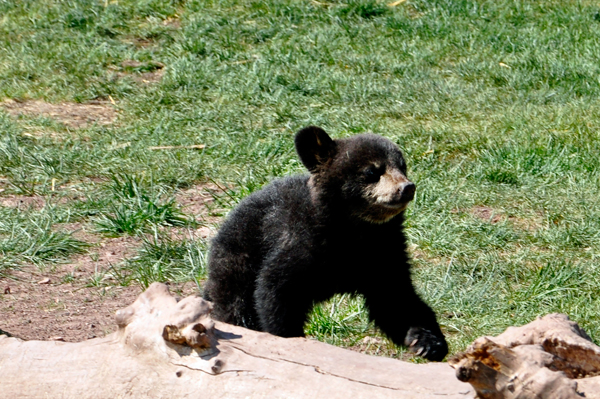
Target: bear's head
point(364, 175)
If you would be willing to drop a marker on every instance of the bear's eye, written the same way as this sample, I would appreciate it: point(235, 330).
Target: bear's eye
point(373, 173)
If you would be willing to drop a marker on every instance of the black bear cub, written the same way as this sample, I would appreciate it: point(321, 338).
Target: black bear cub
point(302, 239)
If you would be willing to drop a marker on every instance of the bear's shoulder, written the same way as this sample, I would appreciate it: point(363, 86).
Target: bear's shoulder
point(283, 192)
point(282, 202)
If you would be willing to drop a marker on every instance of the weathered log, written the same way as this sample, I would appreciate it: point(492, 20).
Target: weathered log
point(165, 348)
point(549, 358)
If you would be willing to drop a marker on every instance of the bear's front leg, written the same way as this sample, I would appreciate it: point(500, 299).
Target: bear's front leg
point(282, 297)
point(407, 320)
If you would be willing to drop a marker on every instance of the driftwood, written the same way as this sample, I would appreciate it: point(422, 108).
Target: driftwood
point(550, 358)
point(171, 349)
point(166, 348)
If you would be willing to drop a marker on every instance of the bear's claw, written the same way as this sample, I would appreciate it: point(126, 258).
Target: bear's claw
point(426, 344)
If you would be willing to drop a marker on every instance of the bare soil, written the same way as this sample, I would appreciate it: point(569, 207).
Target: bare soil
point(77, 300)
point(70, 114)
point(486, 213)
point(37, 306)
point(73, 301)
point(494, 216)
point(22, 201)
point(67, 302)
point(149, 72)
point(198, 201)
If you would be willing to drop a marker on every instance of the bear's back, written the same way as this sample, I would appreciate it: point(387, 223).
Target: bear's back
point(264, 218)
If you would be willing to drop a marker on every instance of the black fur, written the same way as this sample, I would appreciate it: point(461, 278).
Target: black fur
point(302, 239)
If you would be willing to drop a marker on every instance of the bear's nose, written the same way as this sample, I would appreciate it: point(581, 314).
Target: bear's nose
point(407, 191)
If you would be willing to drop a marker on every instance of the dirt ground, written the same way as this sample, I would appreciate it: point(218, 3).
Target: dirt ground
point(72, 301)
point(77, 300)
point(71, 114)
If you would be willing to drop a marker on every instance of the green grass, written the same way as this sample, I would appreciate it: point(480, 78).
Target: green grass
point(26, 235)
point(163, 258)
point(134, 209)
point(494, 103)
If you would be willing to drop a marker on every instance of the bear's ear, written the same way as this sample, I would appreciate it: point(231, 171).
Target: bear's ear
point(314, 147)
